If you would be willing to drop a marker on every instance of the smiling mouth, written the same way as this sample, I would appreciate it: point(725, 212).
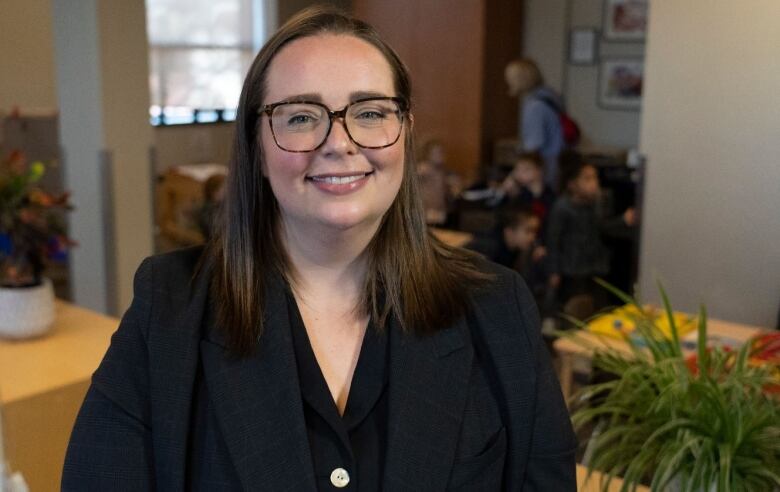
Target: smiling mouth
point(334, 179)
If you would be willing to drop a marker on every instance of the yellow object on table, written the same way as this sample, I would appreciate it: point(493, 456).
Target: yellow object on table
point(621, 322)
point(42, 385)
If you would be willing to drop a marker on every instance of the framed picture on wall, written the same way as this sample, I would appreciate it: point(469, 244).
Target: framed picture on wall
point(620, 83)
point(582, 46)
point(625, 20)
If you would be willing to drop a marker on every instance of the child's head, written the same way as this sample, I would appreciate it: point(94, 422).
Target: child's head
point(579, 178)
point(432, 151)
point(529, 168)
point(495, 175)
point(520, 228)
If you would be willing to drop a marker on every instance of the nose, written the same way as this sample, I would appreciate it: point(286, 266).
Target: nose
point(338, 141)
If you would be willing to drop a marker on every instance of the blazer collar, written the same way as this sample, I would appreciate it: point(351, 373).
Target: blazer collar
point(258, 403)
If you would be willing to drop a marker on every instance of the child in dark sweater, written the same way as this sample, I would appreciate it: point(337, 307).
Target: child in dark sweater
point(525, 187)
point(514, 244)
point(576, 251)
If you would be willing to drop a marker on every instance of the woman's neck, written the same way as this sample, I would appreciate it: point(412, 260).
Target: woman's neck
point(329, 266)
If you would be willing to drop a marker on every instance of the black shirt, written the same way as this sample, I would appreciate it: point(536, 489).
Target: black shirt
point(357, 441)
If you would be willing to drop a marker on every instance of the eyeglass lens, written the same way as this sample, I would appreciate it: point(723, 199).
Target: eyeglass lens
point(301, 127)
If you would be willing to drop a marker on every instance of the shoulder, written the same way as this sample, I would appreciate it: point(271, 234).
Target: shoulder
point(506, 285)
point(172, 271)
point(503, 309)
point(168, 282)
point(176, 264)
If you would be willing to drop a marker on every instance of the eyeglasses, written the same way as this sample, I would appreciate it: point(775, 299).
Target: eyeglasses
point(303, 126)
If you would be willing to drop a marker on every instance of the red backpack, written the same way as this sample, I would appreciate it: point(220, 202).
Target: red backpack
point(569, 127)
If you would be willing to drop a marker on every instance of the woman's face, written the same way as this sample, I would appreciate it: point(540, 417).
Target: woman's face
point(340, 185)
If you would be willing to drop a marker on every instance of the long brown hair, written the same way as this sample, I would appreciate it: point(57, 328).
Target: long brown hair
point(420, 280)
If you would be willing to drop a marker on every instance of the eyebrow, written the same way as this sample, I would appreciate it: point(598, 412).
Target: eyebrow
point(314, 97)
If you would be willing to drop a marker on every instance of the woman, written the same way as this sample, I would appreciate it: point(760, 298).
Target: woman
point(323, 339)
point(540, 121)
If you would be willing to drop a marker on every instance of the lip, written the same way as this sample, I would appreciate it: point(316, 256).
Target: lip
point(340, 188)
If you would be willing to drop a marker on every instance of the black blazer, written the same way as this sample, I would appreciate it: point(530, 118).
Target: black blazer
point(474, 407)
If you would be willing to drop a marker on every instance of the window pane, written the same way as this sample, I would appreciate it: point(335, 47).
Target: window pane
point(199, 22)
point(197, 78)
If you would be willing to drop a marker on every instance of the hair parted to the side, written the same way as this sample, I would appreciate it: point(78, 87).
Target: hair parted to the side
point(423, 282)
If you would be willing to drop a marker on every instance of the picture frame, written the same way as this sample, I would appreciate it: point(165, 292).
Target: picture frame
point(583, 46)
point(625, 20)
point(620, 83)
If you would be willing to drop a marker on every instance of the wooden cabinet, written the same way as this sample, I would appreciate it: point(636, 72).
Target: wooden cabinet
point(456, 53)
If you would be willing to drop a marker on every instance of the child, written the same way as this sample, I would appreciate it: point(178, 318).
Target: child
point(576, 252)
point(512, 243)
point(525, 187)
point(437, 185)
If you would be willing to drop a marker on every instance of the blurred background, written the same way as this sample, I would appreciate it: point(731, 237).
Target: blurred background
point(674, 176)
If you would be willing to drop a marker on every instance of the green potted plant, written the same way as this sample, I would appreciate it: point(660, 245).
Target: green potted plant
point(705, 423)
point(32, 234)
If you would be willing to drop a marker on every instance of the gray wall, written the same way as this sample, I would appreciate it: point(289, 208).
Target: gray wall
point(546, 39)
point(710, 131)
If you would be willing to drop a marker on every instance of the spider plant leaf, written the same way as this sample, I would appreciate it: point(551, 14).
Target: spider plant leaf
point(675, 425)
point(726, 452)
point(677, 351)
point(701, 343)
point(618, 293)
point(673, 464)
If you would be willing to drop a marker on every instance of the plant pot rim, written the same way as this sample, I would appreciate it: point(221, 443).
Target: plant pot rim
point(42, 283)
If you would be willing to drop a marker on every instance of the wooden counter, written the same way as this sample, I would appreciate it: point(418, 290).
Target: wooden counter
point(451, 237)
point(594, 483)
point(42, 385)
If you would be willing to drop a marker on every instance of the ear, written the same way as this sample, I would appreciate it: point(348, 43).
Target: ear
point(411, 120)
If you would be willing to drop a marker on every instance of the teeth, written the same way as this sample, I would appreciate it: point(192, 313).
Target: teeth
point(337, 179)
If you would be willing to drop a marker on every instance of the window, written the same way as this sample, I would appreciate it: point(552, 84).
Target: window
point(199, 53)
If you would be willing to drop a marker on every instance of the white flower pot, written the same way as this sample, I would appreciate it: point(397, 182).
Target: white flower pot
point(26, 312)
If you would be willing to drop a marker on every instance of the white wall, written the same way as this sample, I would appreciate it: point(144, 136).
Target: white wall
point(26, 57)
point(546, 39)
point(102, 82)
point(128, 135)
point(711, 133)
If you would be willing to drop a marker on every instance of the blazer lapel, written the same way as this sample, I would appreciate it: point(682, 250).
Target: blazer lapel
point(258, 404)
point(173, 368)
point(429, 379)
